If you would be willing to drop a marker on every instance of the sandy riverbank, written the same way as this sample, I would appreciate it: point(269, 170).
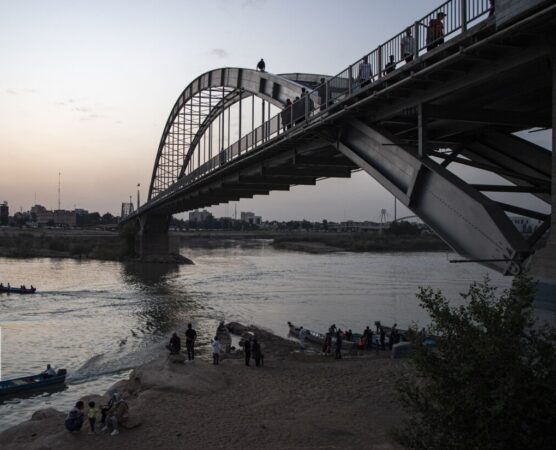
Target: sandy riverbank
point(297, 400)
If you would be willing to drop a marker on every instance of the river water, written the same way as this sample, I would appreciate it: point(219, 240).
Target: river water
point(100, 319)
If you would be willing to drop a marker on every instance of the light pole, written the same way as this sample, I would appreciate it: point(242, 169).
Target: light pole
point(138, 198)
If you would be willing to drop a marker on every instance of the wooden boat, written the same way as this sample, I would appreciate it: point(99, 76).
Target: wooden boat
point(318, 338)
point(32, 384)
point(15, 290)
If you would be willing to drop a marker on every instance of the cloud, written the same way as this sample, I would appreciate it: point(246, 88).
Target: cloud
point(219, 52)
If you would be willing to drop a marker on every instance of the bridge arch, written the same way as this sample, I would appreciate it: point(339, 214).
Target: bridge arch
point(203, 102)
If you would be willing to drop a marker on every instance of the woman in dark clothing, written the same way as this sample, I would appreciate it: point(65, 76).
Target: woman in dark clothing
point(338, 354)
point(247, 350)
point(256, 349)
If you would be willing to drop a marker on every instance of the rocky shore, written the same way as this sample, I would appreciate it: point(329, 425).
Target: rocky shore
point(299, 399)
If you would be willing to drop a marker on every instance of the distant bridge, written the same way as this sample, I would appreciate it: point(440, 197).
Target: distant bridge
point(446, 103)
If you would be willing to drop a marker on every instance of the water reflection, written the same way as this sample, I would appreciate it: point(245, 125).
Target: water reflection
point(148, 274)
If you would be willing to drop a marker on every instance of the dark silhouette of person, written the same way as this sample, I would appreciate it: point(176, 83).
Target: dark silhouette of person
point(298, 110)
point(286, 115)
point(321, 90)
point(382, 338)
point(247, 350)
point(261, 66)
point(492, 7)
point(327, 345)
point(256, 349)
point(393, 336)
point(74, 420)
point(338, 347)
point(190, 337)
point(407, 46)
point(175, 344)
point(435, 31)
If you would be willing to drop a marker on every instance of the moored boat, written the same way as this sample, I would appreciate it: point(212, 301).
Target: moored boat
point(32, 384)
point(19, 290)
point(318, 338)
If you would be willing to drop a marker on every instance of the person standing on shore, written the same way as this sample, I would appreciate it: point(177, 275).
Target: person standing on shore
point(327, 346)
point(247, 350)
point(382, 338)
point(190, 337)
point(256, 352)
point(215, 351)
point(393, 336)
point(338, 354)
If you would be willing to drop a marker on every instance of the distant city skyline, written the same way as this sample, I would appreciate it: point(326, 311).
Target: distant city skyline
point(86, 88)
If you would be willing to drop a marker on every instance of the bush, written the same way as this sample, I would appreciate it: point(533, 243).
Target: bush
point(490, 381)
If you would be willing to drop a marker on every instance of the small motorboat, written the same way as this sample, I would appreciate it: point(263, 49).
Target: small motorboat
point(32, 384)
point(19, 290)
point(318, 338)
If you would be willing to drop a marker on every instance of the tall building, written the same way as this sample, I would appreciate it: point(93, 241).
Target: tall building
point(251, 218)
point(4, 213)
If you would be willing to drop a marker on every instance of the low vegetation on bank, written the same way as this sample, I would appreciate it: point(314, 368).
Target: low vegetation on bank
point(490, 380)
point(359, 242)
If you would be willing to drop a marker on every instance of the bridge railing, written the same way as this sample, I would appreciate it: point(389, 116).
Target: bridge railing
point(416, 39)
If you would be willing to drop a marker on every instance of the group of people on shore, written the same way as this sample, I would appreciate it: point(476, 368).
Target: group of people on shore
point(251, 346)
point(112, 415)
point(365, 341)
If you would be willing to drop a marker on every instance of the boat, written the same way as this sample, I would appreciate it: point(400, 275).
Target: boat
point(32, 384)
point(19, 290)
point(318, 338)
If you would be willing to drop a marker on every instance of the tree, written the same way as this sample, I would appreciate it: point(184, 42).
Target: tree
point(490, 381)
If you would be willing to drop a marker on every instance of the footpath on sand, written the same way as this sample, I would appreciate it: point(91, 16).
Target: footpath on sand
point(297, 400)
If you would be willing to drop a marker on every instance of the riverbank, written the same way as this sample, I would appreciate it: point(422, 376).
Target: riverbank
point(110, 246)
point(297, 400)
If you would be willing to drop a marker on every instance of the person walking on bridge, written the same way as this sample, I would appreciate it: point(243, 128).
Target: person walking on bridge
point(286, 115)
point(261, 66)
point(190, 338)
point(435, 31)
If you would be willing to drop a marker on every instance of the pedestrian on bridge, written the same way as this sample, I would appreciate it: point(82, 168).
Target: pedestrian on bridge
point(321, 90)
point(286, 115)
point(435, 31)
point(365, 72)
point(407, 46)
point(261, 66)
point(390, 66)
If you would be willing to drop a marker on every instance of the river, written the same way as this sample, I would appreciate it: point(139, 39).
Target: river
point(100, 319)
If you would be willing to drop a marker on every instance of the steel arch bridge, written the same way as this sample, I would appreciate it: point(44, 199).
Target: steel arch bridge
point(412, 122)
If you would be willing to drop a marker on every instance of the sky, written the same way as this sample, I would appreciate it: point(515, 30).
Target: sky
point(86, 88)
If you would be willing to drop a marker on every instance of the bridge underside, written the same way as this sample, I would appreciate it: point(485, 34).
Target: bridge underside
point(415, 131)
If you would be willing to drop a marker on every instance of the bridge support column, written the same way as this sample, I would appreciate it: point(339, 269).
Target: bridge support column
point(153, 242)
point(543, 266)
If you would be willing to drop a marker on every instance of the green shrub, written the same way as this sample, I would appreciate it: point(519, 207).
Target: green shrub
point(490, 382)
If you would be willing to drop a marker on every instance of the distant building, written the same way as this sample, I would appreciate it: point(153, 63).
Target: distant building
point(250, 217)
point(199, 216)
point(65, 218)
point(4, 213)
point(57, 217)
point(37, 209)
point(81, 212)
point(127, 209)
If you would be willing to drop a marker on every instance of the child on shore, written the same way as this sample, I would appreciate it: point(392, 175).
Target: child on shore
point(215, 351)
point(92, 415)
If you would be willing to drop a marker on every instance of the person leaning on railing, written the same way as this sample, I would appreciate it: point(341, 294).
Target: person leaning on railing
point(365, 72)
point(407, 46)
point(435, 31)
point(286, 115)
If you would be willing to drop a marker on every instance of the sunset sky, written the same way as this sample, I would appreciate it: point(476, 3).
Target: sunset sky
point(86, 88)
